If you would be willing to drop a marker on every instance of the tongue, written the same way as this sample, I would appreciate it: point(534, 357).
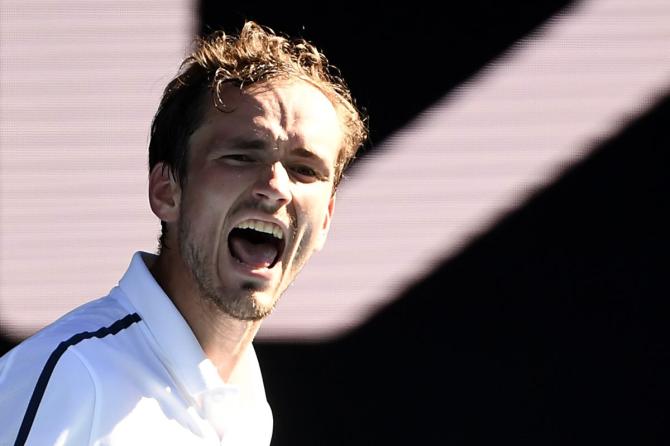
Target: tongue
point(256, 255)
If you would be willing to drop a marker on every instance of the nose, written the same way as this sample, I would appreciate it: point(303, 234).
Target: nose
point(274, 185)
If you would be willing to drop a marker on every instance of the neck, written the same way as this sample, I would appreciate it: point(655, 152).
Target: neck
point(223, 338)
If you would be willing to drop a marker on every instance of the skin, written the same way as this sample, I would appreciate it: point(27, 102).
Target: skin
point(268, 153)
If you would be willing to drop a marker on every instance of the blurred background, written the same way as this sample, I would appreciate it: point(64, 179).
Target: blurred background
point(495, 269)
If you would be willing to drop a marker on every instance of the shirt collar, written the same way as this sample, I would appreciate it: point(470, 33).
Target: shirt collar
point(177, 345)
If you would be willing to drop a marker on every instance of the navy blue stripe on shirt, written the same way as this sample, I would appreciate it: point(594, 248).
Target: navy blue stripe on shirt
point(50, 365)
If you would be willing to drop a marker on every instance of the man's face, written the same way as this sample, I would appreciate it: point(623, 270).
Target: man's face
point(259, 193)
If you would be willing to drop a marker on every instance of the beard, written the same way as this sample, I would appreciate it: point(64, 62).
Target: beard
point(239, 303)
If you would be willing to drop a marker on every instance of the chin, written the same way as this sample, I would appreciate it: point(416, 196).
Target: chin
point(247, 304)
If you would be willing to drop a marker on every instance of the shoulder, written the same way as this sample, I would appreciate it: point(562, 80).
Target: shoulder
point(94, 320)
point(47, 384)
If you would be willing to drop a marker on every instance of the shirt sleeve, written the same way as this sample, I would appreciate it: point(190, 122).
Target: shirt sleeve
point(51, 404)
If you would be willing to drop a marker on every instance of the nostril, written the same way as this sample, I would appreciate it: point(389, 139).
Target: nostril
point(276, 186)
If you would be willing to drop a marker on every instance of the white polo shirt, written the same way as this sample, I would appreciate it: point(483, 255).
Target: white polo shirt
point(126, 370)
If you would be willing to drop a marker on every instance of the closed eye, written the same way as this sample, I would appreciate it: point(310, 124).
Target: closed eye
point(304, 170)
point(238, 159)
point(307, 173)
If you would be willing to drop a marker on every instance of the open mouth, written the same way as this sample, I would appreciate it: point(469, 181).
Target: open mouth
point(256, 243)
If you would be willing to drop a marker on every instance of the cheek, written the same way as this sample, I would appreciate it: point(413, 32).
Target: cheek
point(204, 210)
point(314, 217)
point(303, 250)
point(307, 212)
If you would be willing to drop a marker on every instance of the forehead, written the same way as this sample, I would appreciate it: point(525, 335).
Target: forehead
point(288, 112)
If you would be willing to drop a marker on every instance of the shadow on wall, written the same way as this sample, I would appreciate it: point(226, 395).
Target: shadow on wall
point(549, 329)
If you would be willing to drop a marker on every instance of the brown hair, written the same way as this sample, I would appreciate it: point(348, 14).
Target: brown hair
point(256, 55)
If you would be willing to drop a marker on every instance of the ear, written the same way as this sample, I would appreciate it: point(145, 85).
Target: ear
point(323, 232)
point(164, 193)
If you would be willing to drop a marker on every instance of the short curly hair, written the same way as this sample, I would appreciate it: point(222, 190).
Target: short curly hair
point(255, 56)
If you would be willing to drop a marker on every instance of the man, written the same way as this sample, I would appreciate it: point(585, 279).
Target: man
point(247, 148)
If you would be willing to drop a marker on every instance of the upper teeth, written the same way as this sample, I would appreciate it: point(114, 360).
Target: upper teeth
point(262, 226)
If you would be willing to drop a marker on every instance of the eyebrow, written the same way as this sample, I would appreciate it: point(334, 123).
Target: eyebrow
point(304, 153)
point(260, 144)
point(248, 143)
point(245, 143)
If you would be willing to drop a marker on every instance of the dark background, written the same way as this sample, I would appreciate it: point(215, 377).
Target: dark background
point(549, 329)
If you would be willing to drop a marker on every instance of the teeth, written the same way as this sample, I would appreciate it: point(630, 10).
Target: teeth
point(262, 226)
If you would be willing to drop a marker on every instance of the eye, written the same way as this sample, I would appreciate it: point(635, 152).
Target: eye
point(305, 171)
point(238, 159)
